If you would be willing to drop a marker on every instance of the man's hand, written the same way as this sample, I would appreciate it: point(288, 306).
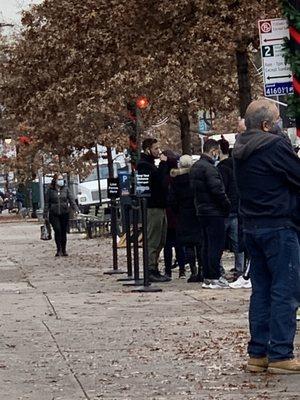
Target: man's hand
point(163, 157)
point(241, 125)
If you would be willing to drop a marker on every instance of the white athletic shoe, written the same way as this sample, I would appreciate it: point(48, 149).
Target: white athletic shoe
point(241, 283)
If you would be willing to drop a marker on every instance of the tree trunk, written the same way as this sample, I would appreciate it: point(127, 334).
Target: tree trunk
point(185, 131)
point(243, 80)
point(110, 163)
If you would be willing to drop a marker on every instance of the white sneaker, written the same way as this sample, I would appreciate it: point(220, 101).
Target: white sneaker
point(206, 283)
point(220, 283)
point(241, 283)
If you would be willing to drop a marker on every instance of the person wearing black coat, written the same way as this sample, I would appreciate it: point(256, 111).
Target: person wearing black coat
point(156, 204)
point(172, 240)
point(2, 197)
point(212, 207)
point(268, 179)
point(232, 230)
point(188, 232)
point(56, 211)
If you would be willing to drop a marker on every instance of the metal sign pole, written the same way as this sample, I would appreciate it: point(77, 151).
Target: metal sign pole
point(147, 287)
point(115, 270)
point(136, 262)
point(145, 243)
point(98, 174)
point(127, 209)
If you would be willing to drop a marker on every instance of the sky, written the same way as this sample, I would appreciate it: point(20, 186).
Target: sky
point(10, 10)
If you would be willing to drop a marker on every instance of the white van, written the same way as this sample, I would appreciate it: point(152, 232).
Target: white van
point(88, 189)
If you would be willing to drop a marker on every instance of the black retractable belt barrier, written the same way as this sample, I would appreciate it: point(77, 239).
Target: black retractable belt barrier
point(127, 211)
point(115, 270)
point(147, 287)
point(136, 267)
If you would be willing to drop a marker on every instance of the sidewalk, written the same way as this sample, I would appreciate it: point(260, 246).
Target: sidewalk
point(68, 332)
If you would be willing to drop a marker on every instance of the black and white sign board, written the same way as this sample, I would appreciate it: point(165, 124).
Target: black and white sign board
point(142, 185)
point(113, 188)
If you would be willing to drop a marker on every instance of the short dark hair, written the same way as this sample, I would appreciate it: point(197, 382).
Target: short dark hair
point(224, 145)
point(209, 145)
point(148, 143)
point(53, 182)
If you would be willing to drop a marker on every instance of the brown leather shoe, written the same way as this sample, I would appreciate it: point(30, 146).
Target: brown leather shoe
point(285, 367)
point(257, 364)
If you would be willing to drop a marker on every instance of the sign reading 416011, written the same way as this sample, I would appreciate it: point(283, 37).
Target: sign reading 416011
point(277, 74)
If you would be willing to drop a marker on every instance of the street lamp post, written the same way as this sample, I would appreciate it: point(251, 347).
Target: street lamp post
point(98, 175)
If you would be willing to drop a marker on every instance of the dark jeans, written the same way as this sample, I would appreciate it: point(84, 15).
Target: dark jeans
point(35, 207)
point(193, 257)
point(275, 277)
point(232, 231)
point(60, 227)
point(171, 243)
point(213, 242)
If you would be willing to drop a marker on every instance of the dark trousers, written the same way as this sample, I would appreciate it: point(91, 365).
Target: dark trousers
point(35, 207)
point(60, 226)
point(193, 257)
point(275, 277)
point(232, 232)
point(213, 242)
point(171, 243)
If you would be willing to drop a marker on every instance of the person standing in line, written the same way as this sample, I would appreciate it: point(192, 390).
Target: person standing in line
point(268, 180)
point(57, 201)
point(188, 231)
point(212, 207)
point(2, 197)
point(156, 204)
point(172, 223)
point(225, 167)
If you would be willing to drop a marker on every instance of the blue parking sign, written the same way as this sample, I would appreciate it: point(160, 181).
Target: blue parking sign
point(125, 182)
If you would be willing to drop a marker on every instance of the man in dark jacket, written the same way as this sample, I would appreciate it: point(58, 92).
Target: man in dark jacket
point(231, 223)
point(156, 204)
point(268, 179)
point(212, 207)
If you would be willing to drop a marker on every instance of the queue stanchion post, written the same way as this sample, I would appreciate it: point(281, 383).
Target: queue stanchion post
point(114, 219)
point(136, 262)
point(127, 210)
point(146, 287)
point(89, 229)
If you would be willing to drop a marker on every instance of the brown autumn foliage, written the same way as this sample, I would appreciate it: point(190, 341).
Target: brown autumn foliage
point(77, 63)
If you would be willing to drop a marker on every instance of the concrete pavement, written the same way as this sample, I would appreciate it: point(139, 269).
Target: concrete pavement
point(68, 332)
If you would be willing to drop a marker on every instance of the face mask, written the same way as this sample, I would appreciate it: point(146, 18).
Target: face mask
point(277, 127)
point(60, 182)
point(215, 157)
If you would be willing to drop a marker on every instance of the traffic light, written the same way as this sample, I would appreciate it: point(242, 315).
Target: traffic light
point(133, 126)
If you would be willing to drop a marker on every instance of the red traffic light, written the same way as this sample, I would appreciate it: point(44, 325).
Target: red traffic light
point(142, 102)
point(24, 140)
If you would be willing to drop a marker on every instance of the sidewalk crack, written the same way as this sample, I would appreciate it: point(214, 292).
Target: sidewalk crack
point(67, 362)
